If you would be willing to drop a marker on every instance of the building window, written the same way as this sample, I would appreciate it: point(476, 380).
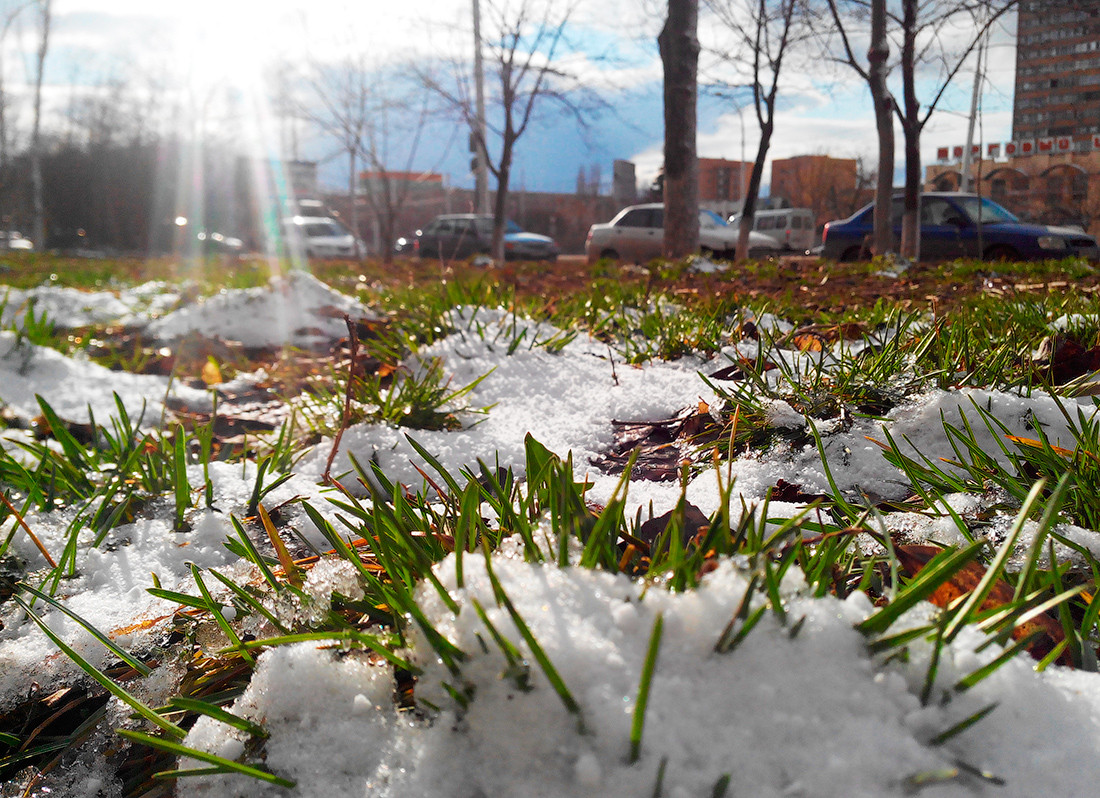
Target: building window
point(998, 190)
point(1055, 189)
point(1080, 187)
point(723, 178)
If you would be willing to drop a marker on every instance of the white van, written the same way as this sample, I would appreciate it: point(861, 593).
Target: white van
point(790, 228)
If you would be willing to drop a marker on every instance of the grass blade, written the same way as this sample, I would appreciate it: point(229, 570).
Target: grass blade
point(637, 724)
point(170, 747)
point(112, 687)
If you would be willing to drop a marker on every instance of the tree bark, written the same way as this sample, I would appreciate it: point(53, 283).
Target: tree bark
point(883, 234)
point(678, 43)
point(752, 193)
point(500, 200)
point(353, 209)
point(910, 127)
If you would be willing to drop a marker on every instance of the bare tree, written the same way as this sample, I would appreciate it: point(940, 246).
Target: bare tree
point(522, 42)
point(369, 111)
point(678, 43)
point(930, 22)
point(833, 188)
point(767, 29)
point(395, 119)
point(874, 73)
point(343, 93)
point(45, 11)
point(932, 38)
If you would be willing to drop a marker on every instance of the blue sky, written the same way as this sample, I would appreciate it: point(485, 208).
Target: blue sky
point(206, 44)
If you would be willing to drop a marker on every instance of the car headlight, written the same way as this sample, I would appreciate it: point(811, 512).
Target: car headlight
point(1051, 242)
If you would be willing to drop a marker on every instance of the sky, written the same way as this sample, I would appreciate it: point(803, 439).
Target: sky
point(207, 46)
point(800, 708)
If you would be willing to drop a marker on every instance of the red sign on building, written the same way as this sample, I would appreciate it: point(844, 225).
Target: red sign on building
point(1027, 147)
point(1064, 144)
point(957, 152)
point(1046, 144)
point(1096, 141)
point(1012, 148)
point(941, 154)
point(993, 150)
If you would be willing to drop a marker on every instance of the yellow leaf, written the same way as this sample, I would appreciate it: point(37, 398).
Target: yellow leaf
point(211, 374)
point(1039, 445)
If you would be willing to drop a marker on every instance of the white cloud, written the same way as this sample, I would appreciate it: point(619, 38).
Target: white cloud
point(823, 108)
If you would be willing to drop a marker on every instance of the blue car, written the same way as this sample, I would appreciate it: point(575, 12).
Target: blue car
point(455, 236)
point(958, 225)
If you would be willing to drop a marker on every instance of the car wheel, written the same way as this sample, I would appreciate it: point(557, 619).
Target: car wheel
point(610, 254)
point(1001, 252)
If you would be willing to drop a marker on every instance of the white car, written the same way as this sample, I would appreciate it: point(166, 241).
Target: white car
point(636, 234)
point(792, 228)
point(11, 239)
point(319, 237)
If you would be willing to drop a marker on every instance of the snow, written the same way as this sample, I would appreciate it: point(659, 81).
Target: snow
point(79, 390)
point(799, 708)
point(297, 309)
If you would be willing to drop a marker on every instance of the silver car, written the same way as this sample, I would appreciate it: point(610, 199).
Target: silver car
point(636, 234)
point(320, 237)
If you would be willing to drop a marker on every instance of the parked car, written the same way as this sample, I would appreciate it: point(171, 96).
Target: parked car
point(455, 236)
point(219, 243)
point(319, 237)
point(637, 234)
point(13, 239)
point(960, 225)
point(406, 245)
point(791, 228)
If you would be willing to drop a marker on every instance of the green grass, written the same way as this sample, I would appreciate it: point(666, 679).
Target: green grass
point(114, 470)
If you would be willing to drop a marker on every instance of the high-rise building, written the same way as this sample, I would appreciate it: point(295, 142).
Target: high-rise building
point(1057, 71)
point(1050, 171)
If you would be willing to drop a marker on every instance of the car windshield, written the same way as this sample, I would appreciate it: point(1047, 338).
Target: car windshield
point(710, 219)
point(324, 230)
point(985, 211)
point(485, 227)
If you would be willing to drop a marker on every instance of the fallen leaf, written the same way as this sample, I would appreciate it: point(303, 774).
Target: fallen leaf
point(211, 373)
point(694, 521)
point(913, 558)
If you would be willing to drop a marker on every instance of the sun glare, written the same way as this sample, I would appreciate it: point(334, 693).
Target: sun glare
point(225, 52)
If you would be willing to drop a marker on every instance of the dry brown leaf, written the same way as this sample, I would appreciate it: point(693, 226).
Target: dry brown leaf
point(913, 558)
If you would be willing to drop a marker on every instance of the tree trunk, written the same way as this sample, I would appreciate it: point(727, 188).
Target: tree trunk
point(883, 234)
point(678, 43)
point(910, 220)
point(752, 193)
point(500, 202)
point(353, 209)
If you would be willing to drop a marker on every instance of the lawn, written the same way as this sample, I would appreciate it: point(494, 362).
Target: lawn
point(423, 529)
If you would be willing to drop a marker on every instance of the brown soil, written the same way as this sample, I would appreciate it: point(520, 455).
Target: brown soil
point(820, 289)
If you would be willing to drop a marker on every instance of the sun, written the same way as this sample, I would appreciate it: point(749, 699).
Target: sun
point(224, 47)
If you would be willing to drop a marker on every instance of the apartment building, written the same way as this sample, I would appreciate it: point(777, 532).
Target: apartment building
point(1057, 71)
point(1050, 170)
